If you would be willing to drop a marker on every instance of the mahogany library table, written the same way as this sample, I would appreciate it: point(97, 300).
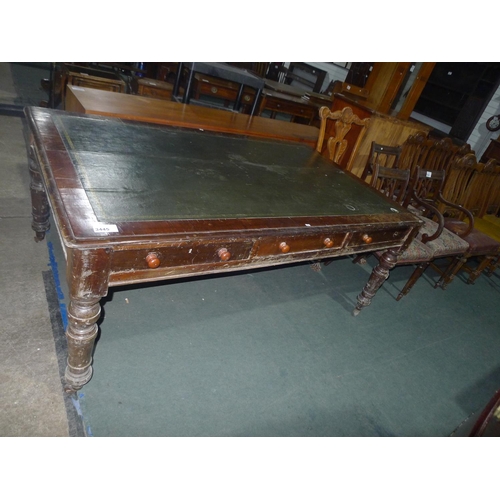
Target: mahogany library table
point(136, 202)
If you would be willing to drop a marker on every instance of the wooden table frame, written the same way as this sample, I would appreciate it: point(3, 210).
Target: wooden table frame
point(155, 250)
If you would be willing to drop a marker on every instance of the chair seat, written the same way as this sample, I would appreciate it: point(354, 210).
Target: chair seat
point(479, 243)
point(416, 252)
point(448, 242)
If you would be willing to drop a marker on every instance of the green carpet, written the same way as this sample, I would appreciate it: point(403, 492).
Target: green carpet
point(277, 353)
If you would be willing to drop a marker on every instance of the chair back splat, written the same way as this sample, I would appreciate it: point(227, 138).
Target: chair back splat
point(385, 156)
point(337, 144)
point(391, 181)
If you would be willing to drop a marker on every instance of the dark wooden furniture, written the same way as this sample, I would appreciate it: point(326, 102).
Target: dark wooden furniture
point(312, 98)
point(383, 156)
point(224, 90)
point(242, 77)
point(137, 202)
point(145, 109)
point(296, 107)
point(150, 87)
point(492, 151)
point(433, 240)
point(304, 75)
point(83, 76)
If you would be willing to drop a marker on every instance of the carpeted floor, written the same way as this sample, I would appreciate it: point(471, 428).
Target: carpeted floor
point(277, 353)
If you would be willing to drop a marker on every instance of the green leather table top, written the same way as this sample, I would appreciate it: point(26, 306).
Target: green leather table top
point(137, 172)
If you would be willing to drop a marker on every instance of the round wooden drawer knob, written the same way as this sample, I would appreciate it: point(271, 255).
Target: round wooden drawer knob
point(152, 260)
point(367, 239)
point(328, 243)
point(223, 254)
point(284, 247)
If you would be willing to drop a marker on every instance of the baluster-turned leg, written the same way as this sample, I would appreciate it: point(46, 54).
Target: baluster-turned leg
point(87, 273)
point(39, 203)
point(81, 333)
point(379, 274)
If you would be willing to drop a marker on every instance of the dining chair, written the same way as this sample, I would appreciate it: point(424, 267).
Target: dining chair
point(385, 156)
point(432, 241)
point(337, 144)
point(425, 198)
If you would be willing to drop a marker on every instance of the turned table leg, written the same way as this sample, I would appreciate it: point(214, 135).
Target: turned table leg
point(81, 334)
point(379, 274)
point(39, 203)
point(87, 274)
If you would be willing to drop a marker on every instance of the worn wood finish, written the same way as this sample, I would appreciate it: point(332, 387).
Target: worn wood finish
point(89, 170)
point(137, 108)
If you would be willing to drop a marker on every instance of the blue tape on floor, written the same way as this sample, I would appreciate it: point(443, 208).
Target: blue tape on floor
point(60, 294)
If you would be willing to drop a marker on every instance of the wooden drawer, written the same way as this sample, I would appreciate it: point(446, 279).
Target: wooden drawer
point(372, 238)
point(290, 108)
point(220, 89)
point(182, 254)
point(96, 83)
point(289, 245)
point(154, 88)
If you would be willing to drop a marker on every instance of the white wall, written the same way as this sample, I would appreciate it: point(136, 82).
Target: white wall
point(480, 136)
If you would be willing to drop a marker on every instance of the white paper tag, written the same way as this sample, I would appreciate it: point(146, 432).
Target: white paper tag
point(428, 174)
point(105, 228)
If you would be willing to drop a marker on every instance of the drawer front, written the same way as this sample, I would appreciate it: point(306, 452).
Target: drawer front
point(229, 93)
point(370, 238)
point(154, 92)
point(183, 254)
point(289, 245)
point(290, 108)
point(97, 84)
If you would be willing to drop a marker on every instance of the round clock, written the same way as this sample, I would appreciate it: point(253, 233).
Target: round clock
point(493, 123)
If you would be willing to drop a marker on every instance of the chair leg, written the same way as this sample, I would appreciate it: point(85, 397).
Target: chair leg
point(413, 279)
point(360, 259)
point(451, 271)
point(485, 262)
point(492, 267)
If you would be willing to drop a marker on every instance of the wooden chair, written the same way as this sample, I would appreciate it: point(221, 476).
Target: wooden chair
point(432, 241)
point(385, 156)
point(491, 190)
point(426, 194)
point(337, 144)
point(458, 182)
point(412, 150)
point(439, 155)
point(423, 198)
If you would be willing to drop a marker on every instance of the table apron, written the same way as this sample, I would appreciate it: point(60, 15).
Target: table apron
point(162, 261)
